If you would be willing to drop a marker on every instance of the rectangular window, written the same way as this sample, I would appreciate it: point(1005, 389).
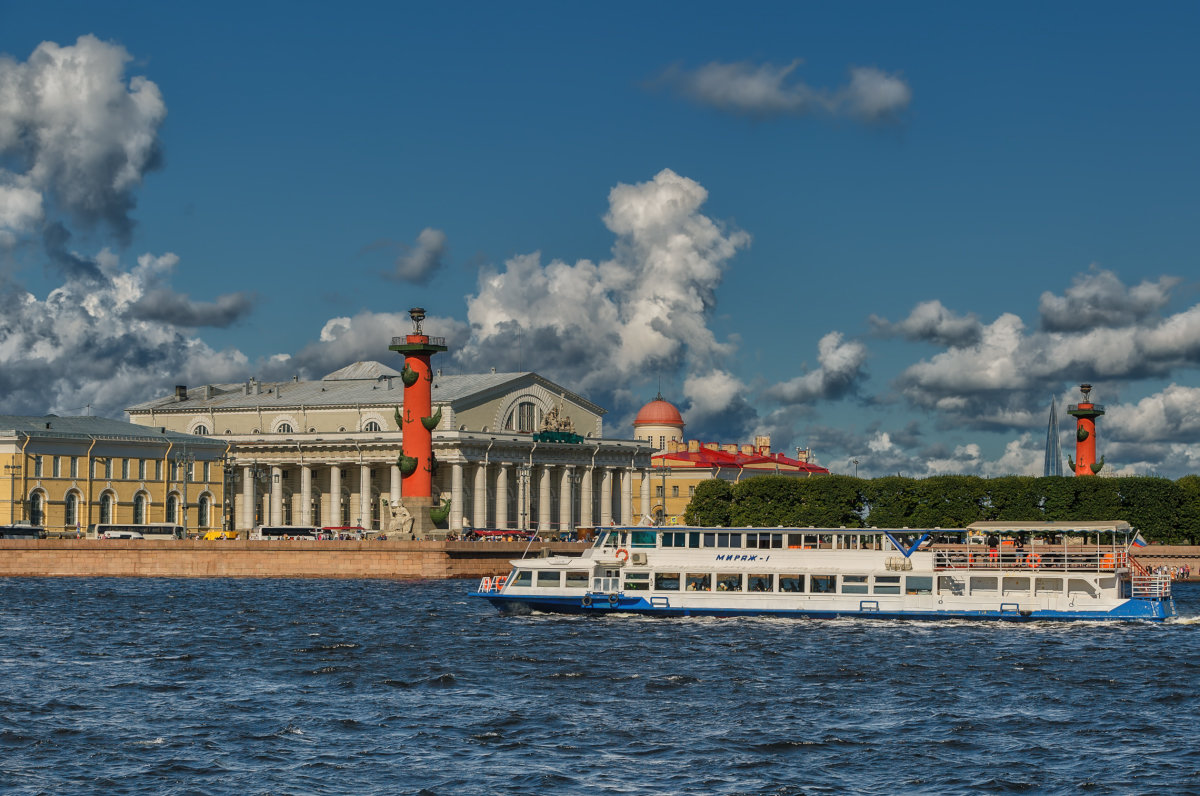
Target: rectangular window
point(699, 581)
point(658, 491)
point(1015, 586)
point(37, 466)
point(158, 469)
point(1080, 587)
point(74, 466)
point(952, 584)
point(666, 581)
point(983, 585)
point(729, 581)
point(643, 538)
point(637, 581)
point(674, 491)
point(854, 584)
point(577, 578)
point(795, 541)
point(56, 467)
point(823, 584)
point(729, 539)
point(522, 577)
point(759, 583)
point(662, 442)
point(1047, 585)
point(918, 584)
point(791, 583)
point(694, 539)
point(141, 469)
point(691, 491)
point(108, 468)
point(549, 580)
point(125, 469)
point(887, 584)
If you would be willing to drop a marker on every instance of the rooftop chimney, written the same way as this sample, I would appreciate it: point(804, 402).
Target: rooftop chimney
point(180, 392)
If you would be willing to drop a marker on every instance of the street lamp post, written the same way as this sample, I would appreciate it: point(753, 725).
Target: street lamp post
point(663, 472)
point(855, 467)
point(12, 470)
point(185, 460)
point(523, 475)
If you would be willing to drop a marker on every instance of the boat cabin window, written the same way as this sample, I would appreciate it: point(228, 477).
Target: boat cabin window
point(666, 581)
point(699, 582)
point(1047, 585)
point(674, 539)
point(521, 577)
point(952, 584)
point(822, 584)
point(759, 582)
point(1108, 583)
point(729, 581)
point(577, 578)
point(549, 580)
point(887, 584)
point(983, 585)
point(791, 583)
point(918, 584)
point(854, 584)
point(637, 581)
point(722, 540)
point(1079, 586)
point(644, 538)
point(1016, 585)
point(764, 541)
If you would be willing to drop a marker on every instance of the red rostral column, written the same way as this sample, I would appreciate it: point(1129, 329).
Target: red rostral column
point(417, 424)
point(1085, 413)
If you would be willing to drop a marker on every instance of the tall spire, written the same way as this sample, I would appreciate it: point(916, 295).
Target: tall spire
point(1053, 447)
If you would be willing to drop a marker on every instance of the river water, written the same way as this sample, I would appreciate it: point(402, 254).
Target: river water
point(130, 686)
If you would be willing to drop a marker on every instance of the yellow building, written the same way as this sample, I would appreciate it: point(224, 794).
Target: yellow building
point(65, 473)
point(680, 465)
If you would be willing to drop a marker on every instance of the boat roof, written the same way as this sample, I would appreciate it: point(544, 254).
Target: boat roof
point(975, 528)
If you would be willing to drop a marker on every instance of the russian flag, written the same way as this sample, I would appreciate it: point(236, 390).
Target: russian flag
point(1138, 541)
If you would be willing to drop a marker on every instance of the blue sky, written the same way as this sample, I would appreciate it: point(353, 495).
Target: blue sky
point(891, 232)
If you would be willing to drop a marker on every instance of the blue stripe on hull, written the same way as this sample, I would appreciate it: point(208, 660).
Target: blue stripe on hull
point(1130, 610)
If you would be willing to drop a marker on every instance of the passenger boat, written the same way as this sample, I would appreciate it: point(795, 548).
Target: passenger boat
point(991, 570)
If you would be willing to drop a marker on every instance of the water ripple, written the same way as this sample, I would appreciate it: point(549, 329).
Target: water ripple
point(376, 687)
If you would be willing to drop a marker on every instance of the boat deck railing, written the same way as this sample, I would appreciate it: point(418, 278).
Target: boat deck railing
point(1150, 587)
point(1055, 558)
point(488, 585)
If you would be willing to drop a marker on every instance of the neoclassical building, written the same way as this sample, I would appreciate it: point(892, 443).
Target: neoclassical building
point(65, 473)
point(325, 452)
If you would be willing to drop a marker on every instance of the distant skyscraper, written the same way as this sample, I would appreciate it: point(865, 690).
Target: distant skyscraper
point(1053, 448)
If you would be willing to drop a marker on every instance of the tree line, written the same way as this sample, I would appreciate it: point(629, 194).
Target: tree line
point(1163, 510)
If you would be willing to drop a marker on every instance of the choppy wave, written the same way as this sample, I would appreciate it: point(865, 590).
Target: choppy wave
point(379, 687)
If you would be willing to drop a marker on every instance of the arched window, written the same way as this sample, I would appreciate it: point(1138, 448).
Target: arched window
point(71, 511)
point(284, 428)
point(106, 507)
point(172, 508)
point(522, 418)
point(371, 425)
point(202, 512)
point(201, 431)
point(37, 512)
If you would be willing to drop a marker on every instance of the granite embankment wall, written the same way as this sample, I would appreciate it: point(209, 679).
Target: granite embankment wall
point(247, 559)
point(1170, 555)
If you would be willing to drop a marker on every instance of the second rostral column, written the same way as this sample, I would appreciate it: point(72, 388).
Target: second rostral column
point(417, 422)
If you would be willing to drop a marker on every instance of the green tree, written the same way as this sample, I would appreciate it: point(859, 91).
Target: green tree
point(1014, 498)
point(766, 501)
point(711, 504)
point(831, 501)
point(1189, 509)
point(1152, 505)
point(892, 501)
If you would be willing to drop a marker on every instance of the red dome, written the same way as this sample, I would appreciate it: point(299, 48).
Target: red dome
point(658, 413)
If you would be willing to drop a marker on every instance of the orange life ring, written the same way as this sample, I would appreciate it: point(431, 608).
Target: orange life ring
point(1034, 560)
point(622, 554)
